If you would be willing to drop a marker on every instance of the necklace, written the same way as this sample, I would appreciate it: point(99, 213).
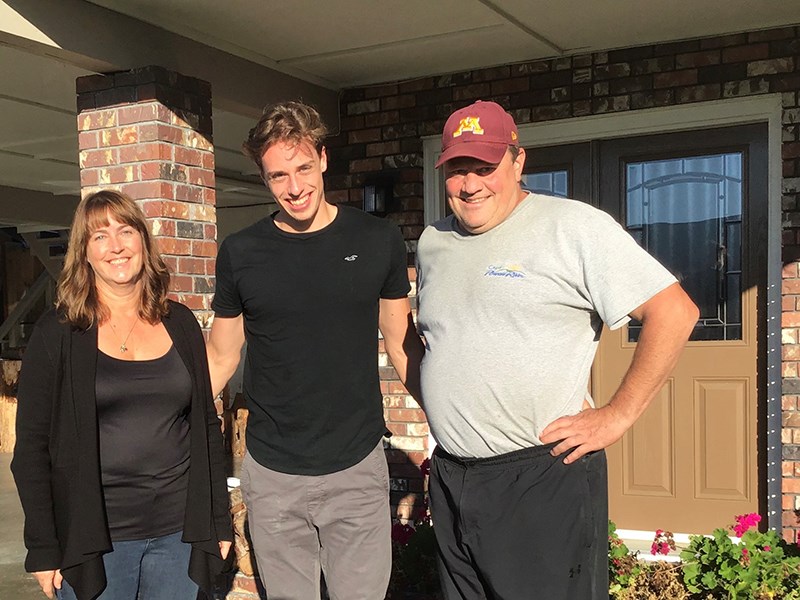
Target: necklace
point(123, 347)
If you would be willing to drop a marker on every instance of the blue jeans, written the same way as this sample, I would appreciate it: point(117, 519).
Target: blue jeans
point(149, 569)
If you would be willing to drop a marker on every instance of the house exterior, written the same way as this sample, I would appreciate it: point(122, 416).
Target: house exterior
point(693, 145)
point(584, 118)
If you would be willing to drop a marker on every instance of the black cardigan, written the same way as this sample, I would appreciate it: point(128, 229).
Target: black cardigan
point(56, 461)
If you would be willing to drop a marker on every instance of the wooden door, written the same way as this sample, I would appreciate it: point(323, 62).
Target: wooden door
point(697, 201)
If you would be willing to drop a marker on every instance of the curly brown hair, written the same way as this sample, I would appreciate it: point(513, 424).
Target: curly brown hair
point(76, 296)
point(286, 121)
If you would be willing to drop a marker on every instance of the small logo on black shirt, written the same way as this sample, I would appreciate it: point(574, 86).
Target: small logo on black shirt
point(351, 258)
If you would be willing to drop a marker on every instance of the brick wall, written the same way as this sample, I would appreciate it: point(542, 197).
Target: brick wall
point(147, 133)
point(382, 126)
point(408, 445)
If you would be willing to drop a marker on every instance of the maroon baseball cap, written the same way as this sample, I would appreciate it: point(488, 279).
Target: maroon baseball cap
point(482, 130)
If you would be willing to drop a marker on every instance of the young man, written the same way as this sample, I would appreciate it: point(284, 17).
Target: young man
point(513, 290)
point(308, 288)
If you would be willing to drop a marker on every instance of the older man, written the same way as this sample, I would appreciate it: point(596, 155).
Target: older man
point(513, 290)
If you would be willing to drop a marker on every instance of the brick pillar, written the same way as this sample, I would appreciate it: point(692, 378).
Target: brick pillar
point(147, 133)
point(790, 402)
point(790, 334)
point(790, 432)
point(409, 441)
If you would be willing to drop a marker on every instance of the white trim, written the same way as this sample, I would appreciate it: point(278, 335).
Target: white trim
point(643, 535)
point(639, 540)
point(653, 120)
point(647, 557)
point(701, 115)
point(433, 188)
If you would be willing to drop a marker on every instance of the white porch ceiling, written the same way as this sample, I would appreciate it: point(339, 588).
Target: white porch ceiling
point(39, 136)
point(345, 43)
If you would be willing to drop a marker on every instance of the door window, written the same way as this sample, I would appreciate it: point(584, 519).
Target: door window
point(552, 183)
point(687, 212)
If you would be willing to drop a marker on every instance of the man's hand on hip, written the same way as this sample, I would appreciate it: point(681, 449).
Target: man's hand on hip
point(667, 321)
point(591, 429)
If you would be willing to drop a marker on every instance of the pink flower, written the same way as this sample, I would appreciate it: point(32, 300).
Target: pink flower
point(745, 557)
point(745, 522)
point(659, 548)
point(663, 542)
point(767, 548)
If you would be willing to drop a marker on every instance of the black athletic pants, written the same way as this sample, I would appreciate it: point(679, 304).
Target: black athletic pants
point(521, 526)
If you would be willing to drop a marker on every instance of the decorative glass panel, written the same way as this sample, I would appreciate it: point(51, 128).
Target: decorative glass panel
point(552, 183)
point(687, 212)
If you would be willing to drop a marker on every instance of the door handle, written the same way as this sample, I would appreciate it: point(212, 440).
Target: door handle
point(722, 264)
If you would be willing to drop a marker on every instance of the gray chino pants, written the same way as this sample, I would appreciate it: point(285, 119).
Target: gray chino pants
point(337, 524)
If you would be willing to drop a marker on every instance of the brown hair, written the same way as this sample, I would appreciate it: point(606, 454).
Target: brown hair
point(286, 121)
point(76, 297)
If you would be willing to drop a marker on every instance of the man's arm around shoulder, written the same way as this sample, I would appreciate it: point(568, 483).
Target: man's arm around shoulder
point(224, 349)
point(667, 321)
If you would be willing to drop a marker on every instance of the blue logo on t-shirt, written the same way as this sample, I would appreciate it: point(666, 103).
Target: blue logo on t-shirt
point(510, 271)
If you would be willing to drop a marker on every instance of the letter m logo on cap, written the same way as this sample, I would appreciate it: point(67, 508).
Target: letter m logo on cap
point(471, 124)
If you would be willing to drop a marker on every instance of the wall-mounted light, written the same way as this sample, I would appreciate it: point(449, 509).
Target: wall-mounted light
point(377, 197)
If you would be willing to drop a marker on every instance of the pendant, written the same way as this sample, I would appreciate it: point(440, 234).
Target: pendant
point(123, 348)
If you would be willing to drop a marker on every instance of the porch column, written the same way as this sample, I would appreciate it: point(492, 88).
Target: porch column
point(147, 133)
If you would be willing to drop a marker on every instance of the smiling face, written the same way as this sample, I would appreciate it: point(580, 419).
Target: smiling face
point(293, 173)
point(115, 253)
point(482, 195)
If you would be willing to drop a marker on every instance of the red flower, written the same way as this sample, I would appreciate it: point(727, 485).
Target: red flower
point(425, 467)
point(745, 557)
point(401, 533)
point(663, 542)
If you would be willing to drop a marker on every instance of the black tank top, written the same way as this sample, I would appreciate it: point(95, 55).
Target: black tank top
point(143, 414)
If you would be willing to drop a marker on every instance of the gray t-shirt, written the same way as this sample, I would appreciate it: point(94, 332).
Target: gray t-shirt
point(512, 318)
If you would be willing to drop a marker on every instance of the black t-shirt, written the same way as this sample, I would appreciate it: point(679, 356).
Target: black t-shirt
point(143, 426)
point(310, 306)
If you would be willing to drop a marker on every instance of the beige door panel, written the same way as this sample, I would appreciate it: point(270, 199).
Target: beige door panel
point(691, 459)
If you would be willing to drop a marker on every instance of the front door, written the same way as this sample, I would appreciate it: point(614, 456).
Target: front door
point(697, 202)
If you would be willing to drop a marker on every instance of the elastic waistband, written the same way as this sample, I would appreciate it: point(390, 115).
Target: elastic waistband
point(531, 453)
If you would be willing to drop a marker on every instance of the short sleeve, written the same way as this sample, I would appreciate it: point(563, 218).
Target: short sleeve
point(619, 275)
point(226, 302)
point(396, 284)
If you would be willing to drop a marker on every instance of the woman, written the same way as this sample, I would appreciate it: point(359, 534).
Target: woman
point(119, 457)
